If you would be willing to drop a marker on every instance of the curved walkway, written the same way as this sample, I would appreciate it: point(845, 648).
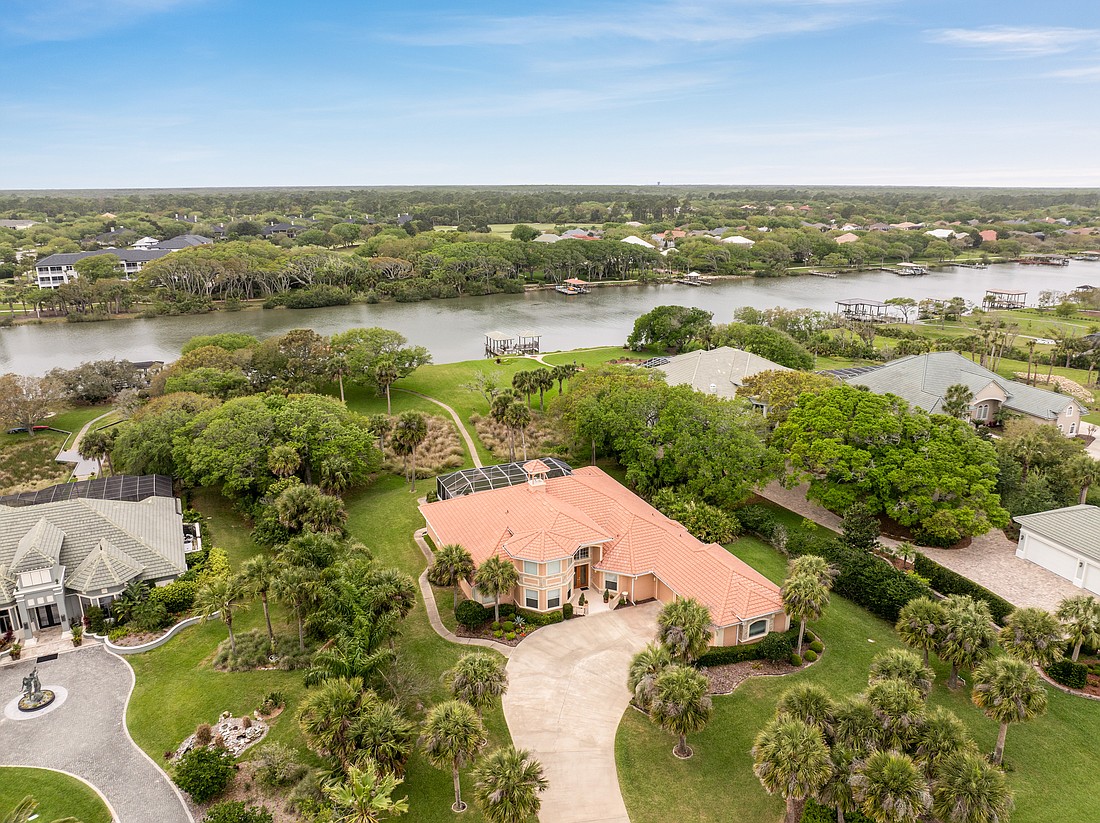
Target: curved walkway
point(433, 610)
point(566, 695)
point(87, 736)
point(471, 447)
point(84, 468)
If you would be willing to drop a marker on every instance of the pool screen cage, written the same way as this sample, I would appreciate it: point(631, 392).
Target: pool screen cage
point(468, 481)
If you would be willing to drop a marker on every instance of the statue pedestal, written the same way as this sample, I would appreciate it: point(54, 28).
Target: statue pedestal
point(36, 702)
point(14, 709)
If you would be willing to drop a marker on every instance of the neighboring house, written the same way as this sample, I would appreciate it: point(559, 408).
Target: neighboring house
point(282, 230)
point(549, 237)
point(720, 371)
point(17, 225)
point(219, 231)
point(57, 269)
point(184, 218)
point(184, 241)
point(738, 240)
point(119, 235)
point(847, 238)
point(144, 243)
point(402, 219)
point(941, 234)
point(584, 532)
point(923, 379)
point(637, 241)
point(59, 559)
point(1064, 541)
point(988, 236)
point(906, 226)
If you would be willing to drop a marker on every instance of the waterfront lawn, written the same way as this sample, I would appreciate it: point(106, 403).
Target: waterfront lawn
point(27, 461)
point(1049, 761)
point(177, 688)
point(58, 795)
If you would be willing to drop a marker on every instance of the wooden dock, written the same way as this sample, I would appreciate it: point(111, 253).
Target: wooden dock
point(817, 273)
point(969, 265)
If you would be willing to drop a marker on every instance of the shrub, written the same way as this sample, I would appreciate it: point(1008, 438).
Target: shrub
point(472, 614)
point(204, 773)
point(567, 611)
point(537, 619)
point(774, 647)
point(498, 634)
point(507, 611)
point(149, 616)
point(510, 636)
point(1069, 674)
point(946, 581)
point(176, 597)
point(276, 765)
point(234, 811)
point(432, 497)
point(494, 625)
point(757, 519)
point(814, 812)
point(509, 626)
point(253, 652)
point(810, 656)
point(777, 647)
point(203, 734)
point(271, 702)
point(795, 659)
point(117, 633)
point(95, 620)
point(703, 520)
point(817, 647)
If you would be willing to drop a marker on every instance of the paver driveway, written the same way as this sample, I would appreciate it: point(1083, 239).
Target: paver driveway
point(566, 695)
point(87, 735)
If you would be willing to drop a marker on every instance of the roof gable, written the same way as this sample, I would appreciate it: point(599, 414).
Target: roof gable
point(39, 548)
point(105, 567)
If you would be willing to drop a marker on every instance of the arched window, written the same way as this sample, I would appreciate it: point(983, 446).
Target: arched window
point(758, 628)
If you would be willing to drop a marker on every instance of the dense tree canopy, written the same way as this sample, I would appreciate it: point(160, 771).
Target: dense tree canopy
point(670, 327)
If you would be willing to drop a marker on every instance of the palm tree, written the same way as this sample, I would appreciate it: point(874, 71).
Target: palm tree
point(790, 759)
point(284, 460)
point(389, 591)
point(1008, 691)
point(365, 795)
point(543, 381)
point(563, 373)
point(24, 811)
point(903, 665)
point(968, 636)
point(297, 587)
point(517, 418)
point(524, 383)
point(899, 708)
point(680, 704)
point(804, 597)
point(496, 576)
point(1081, 616)
point(507, 785)
point(258, 573)
point(352, 655)
point(386, 374)
point(919, 623)
point(969, 790)
point(837, 791)
point(1083, 471)
point(336, 473)
point(1034, 635)
point(327, 717)
point(383, 734)
point(453, 735)
point(684, 627)
point(940, 735)
point(813, 565)
point(380, 425)
point(811, 704)
point(408, 433)
point(857, 727)
point(302, 508)
point(135, 593)
point(451, 564)
point(890, 788)
point(478, 679)
point(644, 669)
point(98, 443)
point(220, 596)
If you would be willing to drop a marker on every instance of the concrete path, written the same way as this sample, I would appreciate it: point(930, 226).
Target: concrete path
point(990, 560)
point(84, 468)
point(433, 611)
point(470, 446)
point(87, 735)
point(566, 695)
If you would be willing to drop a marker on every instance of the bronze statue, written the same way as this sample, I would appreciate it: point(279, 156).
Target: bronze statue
point(32, 687)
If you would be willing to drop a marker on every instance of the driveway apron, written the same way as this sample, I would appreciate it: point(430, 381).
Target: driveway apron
point(87, 735)
point(566, 695)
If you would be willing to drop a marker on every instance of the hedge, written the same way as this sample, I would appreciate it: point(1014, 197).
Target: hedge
point(775, 647)
point(472, 614)
point(863, 578)
point(945, 581)
point(177, 597)
point(814, 812)
point(1069, 674)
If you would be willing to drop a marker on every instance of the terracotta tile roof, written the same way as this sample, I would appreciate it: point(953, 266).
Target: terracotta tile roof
point(537, 466)
point(551, 521)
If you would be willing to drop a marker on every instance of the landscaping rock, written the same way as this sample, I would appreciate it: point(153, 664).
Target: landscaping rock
point(232, 733)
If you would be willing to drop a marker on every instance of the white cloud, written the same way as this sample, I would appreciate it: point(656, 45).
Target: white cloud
point(44, 20)
point(1083, 73)
point(1018, 40)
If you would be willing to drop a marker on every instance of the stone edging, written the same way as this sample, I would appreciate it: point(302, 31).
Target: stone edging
point(103, 797)
point(1065, 689)
point(141, 751)
point(152, 644)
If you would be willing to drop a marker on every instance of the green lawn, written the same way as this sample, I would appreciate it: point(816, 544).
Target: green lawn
point(179, 676)
point(1050, 761)
point(58, 795)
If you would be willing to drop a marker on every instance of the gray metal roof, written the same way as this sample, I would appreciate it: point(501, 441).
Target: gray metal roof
point(184, 241)
point(125, 255)
point(1076, 527)
point(718, 371)
point(923, 379)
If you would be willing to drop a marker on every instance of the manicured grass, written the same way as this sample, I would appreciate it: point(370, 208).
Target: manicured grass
point(58, 795)
point(1050, 761)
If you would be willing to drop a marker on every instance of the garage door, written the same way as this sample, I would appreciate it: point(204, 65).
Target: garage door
point(1092, 578)
point(1052, 558)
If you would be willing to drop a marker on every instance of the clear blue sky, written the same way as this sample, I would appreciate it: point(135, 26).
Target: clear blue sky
point(150, 93)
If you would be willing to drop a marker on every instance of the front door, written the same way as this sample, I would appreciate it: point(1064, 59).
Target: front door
point(47, 616)
point(580, 576)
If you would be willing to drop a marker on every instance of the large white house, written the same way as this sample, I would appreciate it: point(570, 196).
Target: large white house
point(1065, 541)
point(58, 269)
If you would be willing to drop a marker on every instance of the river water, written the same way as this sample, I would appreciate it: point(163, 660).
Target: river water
point(454, 330)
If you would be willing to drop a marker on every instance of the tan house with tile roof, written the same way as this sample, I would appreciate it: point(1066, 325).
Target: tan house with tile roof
point(584, 532)
point(58, 559)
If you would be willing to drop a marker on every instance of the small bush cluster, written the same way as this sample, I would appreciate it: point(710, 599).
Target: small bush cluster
point(759, 520)
point(567, 611)
point(277, 765)
point(776, 647)
point(703, 520)
point(253, 652)
point(176, 597)
point(235, 811)
point(1069, 674)
point(814, 812)
point(945, 581)
point(95, 621)
point(204, 773)
point(472, 614)
point(537, 619)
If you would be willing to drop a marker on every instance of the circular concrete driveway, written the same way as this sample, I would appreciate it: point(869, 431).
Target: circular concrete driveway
point(87, 736)
point(566, 695)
